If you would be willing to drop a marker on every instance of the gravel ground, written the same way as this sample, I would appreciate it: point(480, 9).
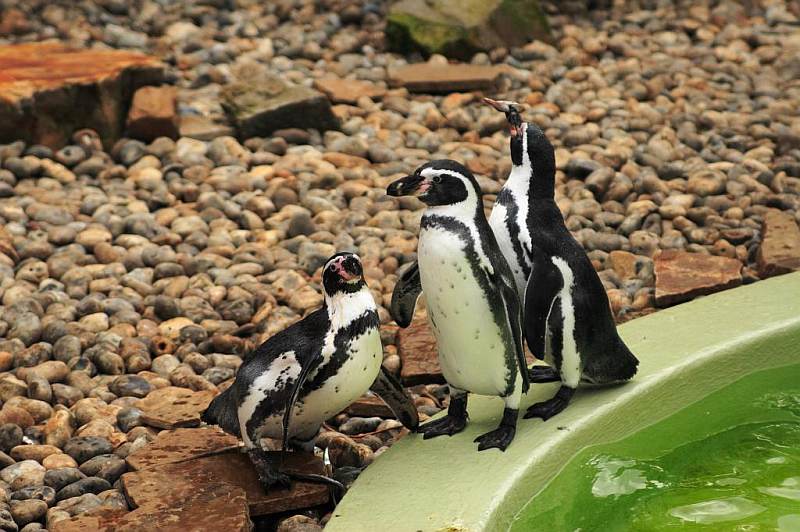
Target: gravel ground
point(674, 127)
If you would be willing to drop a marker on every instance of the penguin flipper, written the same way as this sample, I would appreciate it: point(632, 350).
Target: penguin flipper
point(391, 392)
point(514, 317)
point(222, 412)
point(405, 295)
point(544, 284)
point(307, 365)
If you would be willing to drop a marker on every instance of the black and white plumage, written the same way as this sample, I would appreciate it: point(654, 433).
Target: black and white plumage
point(473, 308)
point(289, 385)
point(568, 320)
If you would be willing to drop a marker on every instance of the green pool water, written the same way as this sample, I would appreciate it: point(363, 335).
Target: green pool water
point(728, 462)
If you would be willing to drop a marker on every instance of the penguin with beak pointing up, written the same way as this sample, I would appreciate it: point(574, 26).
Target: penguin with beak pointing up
point(567, 316)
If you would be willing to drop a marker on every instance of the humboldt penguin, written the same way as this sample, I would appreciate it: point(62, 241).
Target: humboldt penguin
point(567, 317)
point(298, 378)
point(473, 308)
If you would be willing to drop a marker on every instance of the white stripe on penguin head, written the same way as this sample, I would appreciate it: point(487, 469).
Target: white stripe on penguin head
point(455, 209)
point(463, 211)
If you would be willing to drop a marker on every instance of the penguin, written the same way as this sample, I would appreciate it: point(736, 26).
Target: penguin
point(298, 378)
point(509, 216)
point(567, 317)
point(473, 307)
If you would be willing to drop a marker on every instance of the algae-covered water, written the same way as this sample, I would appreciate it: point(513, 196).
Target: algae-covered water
point(728, 462)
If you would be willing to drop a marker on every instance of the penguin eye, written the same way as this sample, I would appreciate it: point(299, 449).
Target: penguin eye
point(437, 179)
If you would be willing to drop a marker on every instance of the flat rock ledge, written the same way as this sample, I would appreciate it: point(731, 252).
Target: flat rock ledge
point(682, 276)
point(49, 90)
point(191, 479)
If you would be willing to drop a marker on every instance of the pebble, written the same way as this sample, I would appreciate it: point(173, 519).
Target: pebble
point(42, 493)
point(27, 511)
point(82, 448)
point(62, 477)
point(105, 466)
point(81, 487)
point(10, 437)
point(23, 474)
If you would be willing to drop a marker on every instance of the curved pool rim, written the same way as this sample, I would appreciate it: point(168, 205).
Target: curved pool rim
point(685, 352)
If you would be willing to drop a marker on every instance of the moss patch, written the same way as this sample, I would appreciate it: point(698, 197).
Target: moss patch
point(459, 29)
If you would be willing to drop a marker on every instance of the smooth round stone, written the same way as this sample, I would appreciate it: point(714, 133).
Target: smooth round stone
point(87, 485)
point(62, 477)
point(28, 511)
point(108, 467)
point(10, 437)
point(33, 452)
point(7, 523)
point(23, 474)
point(128, 418)
point(359, 425)
point(82, 448)
point(59, 461)
point(130, 386)
point(42, 493)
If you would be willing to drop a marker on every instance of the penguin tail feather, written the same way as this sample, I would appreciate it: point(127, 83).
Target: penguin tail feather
point(616, 365)
point(626, 364)
point(222, 411)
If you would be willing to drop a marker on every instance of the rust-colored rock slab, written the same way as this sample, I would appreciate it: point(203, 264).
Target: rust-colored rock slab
point(682, 276)
point(370, 406)
point(779, 252)
point(98, 520)
point(219, 507)
point(179, 445)
point(171, 483)
point(154, 113)
point(416, 346)
point(348, 90)
point(48, 90)
point(173, 407)
point(426, 77)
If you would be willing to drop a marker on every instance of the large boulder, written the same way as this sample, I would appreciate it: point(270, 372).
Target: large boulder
point(459, 28)
point(259, 103)
point(48, 91)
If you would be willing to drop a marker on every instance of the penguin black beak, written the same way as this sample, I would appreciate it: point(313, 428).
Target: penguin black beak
point(410, 185)
point(351, 269)
point(347, 268)
point(512, 112)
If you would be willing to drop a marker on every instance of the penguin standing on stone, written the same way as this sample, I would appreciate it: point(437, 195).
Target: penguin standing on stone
point(566, 313)
point(289, 385)
point(473, 308)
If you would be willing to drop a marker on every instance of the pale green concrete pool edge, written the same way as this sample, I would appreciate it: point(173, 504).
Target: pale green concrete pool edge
point(686, 352)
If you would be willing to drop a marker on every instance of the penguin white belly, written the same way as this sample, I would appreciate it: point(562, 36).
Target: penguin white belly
point(471, 347)
point(497, 221)
point(350, 382)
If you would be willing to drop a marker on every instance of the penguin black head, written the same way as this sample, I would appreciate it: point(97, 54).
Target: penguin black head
point(343, 273)
point(440, 182)
point(515, 126)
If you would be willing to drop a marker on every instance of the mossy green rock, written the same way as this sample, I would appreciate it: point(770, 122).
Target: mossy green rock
point(259, 103)
point(459, 28)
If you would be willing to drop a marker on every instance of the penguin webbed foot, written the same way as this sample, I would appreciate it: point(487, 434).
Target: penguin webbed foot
point(499, 438)
point(271, 477)
point(318, 479)
point(542, 374)
point(502, 436)
point(268, 473)
point(445, 426)
point(454, 422)
point(547, 409)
